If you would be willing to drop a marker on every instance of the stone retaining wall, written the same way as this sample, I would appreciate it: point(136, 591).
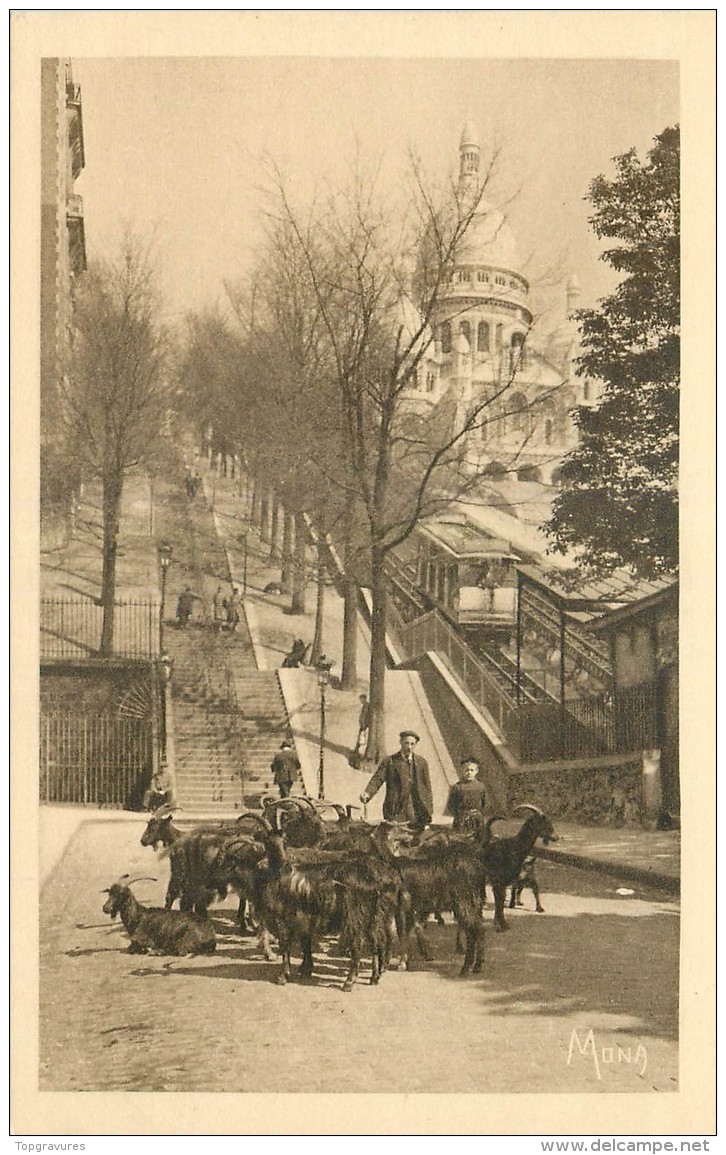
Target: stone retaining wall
point(604, 796)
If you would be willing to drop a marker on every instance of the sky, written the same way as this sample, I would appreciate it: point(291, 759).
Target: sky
point(177, 146)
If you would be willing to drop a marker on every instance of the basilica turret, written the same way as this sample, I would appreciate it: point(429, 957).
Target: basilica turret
point(485, 351)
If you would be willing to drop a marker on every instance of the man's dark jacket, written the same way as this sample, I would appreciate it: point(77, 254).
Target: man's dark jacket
point(285, 767)
point(408, 789)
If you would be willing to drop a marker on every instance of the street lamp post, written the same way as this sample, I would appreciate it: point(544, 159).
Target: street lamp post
point(165, 554)
point(243, 542)
point(322, 667)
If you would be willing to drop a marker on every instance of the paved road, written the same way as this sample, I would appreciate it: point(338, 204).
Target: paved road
point(595, 961)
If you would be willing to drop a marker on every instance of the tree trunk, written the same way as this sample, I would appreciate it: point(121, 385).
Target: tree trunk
point(112, 486)
point(287, 545)
point(349, 672)
point(318, 648)
point(255, 510)
point(377, 694)
point(299, 575)
point(265, 515)
point(275, 531)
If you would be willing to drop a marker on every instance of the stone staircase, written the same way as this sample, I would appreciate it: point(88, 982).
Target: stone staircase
point(228, 721)
point(228, 717)
point(263, 723)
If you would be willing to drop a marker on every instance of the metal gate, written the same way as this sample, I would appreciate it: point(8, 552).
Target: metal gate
point(101, 759)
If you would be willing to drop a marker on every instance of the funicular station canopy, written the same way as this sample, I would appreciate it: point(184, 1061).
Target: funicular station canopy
point(568, 642)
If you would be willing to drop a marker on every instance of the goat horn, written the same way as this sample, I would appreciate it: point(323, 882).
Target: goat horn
point(284, 803)
point(339, 810)
point(164, 811)
point(528, 806)
point(141, 878)
point(302, 799)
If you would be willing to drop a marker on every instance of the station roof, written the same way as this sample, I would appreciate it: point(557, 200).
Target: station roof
point(601, 604)
point(459, 536)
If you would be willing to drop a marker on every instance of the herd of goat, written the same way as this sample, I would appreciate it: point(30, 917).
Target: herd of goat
point(300, 878)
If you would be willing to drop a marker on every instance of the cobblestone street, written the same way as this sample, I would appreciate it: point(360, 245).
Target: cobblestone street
point(596, 961)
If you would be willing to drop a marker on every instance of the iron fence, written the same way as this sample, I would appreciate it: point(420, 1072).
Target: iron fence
point(101, 759)
point(538, 729)
point(71, 628)
point(485, 686)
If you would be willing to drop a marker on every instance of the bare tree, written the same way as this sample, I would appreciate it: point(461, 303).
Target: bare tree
point(376, 287)
point(115, 402)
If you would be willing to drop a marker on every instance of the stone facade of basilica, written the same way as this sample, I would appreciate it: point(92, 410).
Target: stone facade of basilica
point(485, 347)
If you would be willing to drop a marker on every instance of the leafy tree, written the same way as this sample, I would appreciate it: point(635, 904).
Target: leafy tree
point(619, 505)
point(116, 402)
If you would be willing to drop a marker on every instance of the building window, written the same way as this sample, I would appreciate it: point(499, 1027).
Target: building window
point(464, 275)
point(482, 337)
point(500, 280)
point(498, 336)
point(465, 328)
point(430, 381)
point(519, 412)
point(586, 391)
point(446, 337)
point(516, 355)
point(482, 276)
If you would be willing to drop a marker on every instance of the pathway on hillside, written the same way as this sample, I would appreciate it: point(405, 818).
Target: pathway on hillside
point(228, 716)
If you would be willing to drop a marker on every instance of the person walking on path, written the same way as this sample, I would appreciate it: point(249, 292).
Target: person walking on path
point(285, 768)
point(364, 719)
point(219, 609)
point(185, 606)
point(234, 602)
point(408, 785)
point(467, 798)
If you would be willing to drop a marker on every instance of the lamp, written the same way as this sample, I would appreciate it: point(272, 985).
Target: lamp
point(242, 538)
point(322, 669)
point(165, 555)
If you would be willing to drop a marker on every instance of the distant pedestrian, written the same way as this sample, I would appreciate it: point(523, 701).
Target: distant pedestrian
point(234, 602)
point(285, 768)
point(364, 721)
point(219, 609)
point(408, 785)
point(467, 798)
point(185, 607)
point(160, 791)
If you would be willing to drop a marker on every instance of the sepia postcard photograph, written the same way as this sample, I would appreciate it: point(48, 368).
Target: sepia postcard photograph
point(362, 437)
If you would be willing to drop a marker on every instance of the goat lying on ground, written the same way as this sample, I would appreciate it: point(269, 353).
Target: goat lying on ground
point(503, 858)
point(157, 931)
point(526, 880)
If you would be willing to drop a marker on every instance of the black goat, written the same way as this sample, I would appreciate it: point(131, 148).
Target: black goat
point(526, 880)
point(160, 828)
point(503, 858)
point(446, 872)
point(157, 931)
point(192, 856)
point(305, 894)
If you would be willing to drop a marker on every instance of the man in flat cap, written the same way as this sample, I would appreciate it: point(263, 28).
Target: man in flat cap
point(408, 785)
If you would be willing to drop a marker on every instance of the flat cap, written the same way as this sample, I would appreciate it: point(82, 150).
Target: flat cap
point(409, 734)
